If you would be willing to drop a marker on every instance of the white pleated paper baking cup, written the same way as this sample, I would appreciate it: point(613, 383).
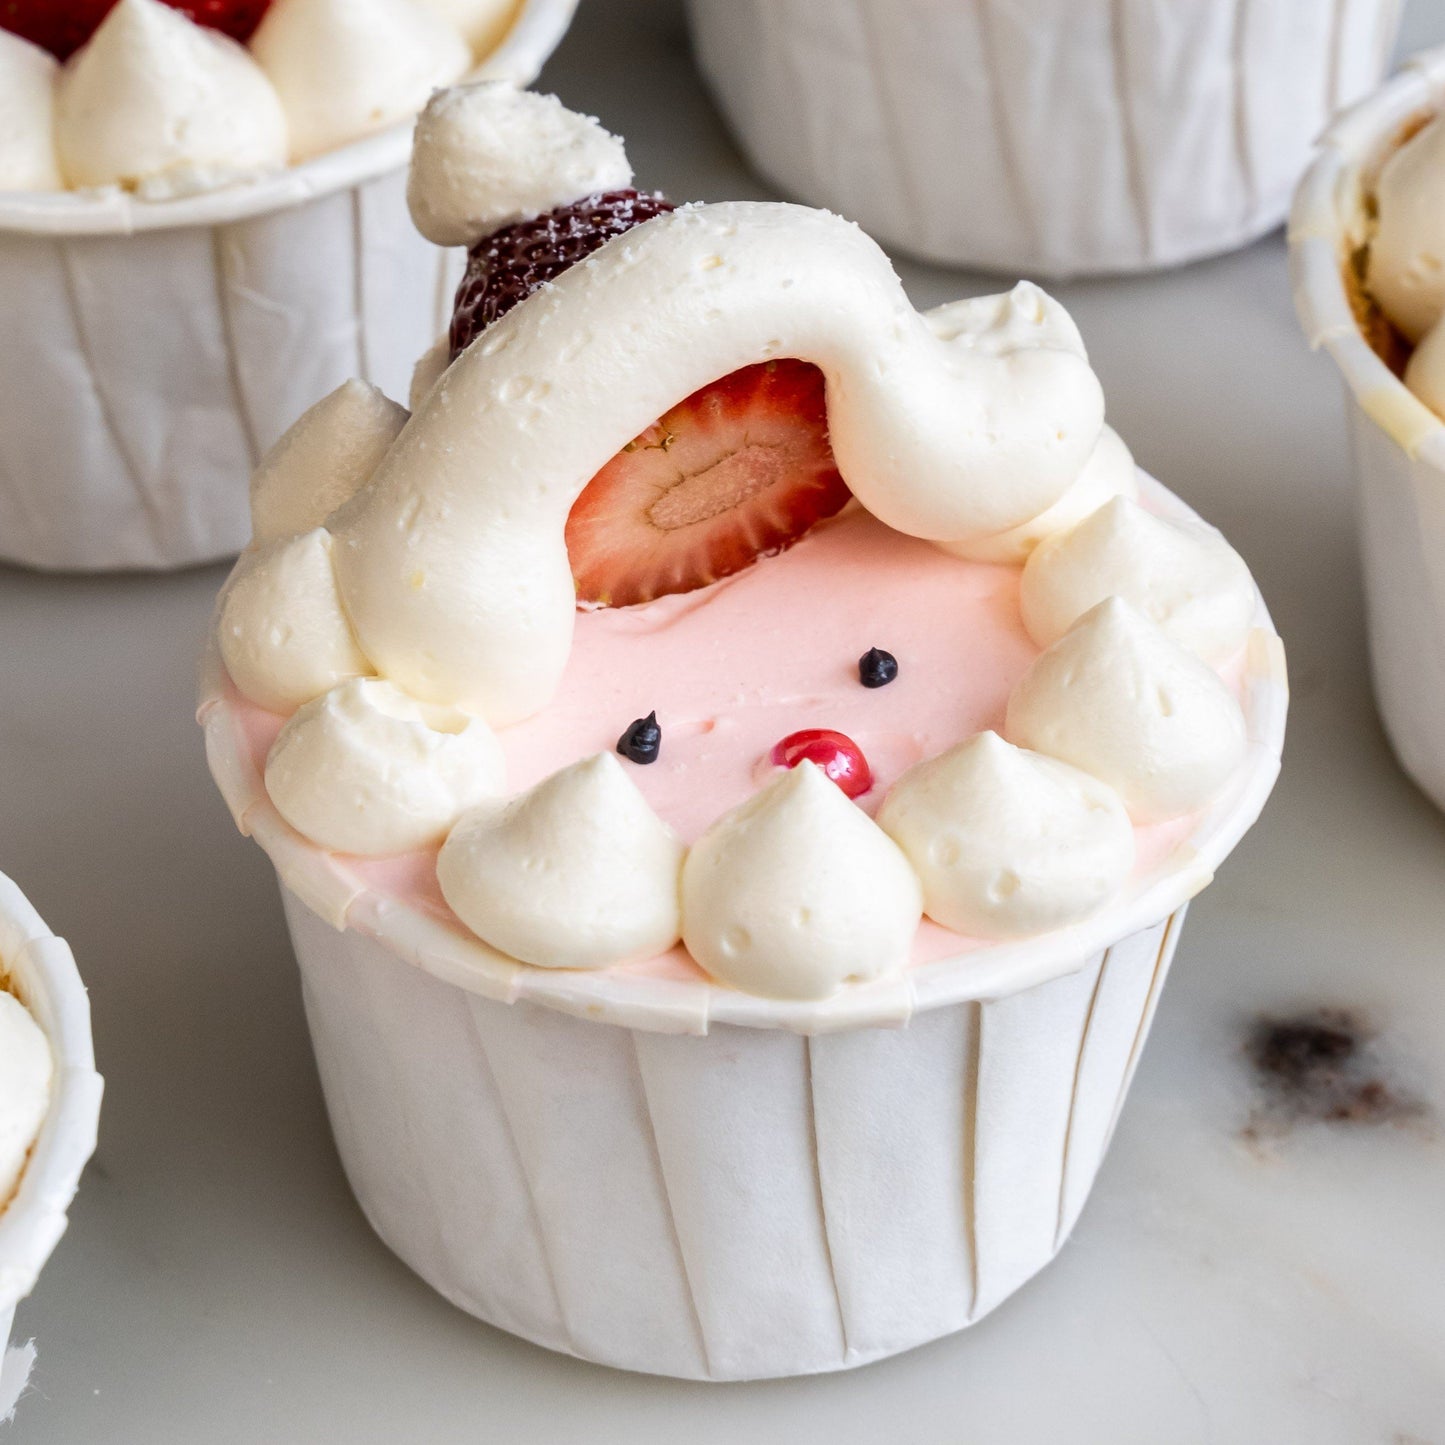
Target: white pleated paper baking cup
point(678, 1178)
point(1398, 442)
point(1042, 137)
point(154, 350)
point(38, 968)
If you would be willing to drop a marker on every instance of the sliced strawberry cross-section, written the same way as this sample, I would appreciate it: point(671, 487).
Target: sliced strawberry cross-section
point(734, 472)
point(737, 471)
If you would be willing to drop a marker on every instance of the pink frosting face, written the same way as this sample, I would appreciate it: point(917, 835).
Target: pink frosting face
point(734, 668)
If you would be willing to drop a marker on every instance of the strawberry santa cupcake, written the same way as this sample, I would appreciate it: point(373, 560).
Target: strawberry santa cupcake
point(736, 753)
point(201, 231)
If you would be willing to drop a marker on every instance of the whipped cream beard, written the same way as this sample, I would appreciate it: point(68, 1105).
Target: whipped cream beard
point(412, 592)
point(26, 1070)
point(163, 106)
point(1405, 268)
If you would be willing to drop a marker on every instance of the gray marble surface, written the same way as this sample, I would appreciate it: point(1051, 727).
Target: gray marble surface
point(1246, 1271)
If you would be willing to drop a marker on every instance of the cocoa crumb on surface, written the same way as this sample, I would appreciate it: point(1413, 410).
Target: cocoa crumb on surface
point(1320, 1066)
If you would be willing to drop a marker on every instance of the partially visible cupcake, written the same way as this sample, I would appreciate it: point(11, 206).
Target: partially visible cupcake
point(1042, 137)
point(1367, 255)
point(170, 99)
point(49, 1102)
point(201, 231)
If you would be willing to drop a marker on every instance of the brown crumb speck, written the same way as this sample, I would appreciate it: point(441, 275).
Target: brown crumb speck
point(1320, 1067)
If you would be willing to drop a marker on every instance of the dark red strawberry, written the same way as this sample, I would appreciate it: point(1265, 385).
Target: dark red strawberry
point(737, 471)
point(63, 26)
point(506, 267)
point(59, 26)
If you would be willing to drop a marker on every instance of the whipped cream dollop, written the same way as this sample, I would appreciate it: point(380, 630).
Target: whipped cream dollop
point(489, 155)
point(366, 769)
point(27, 117)
point(1405, 269)
point(577, 872)
point(323, 460)
point(1115, 697)
point(1110, 472)
point(1182, 575)
point(283, 634)
point(1006, 842)
point(26, 1069)
point(158, 104)
point(454, 565)
point(797, 891)
point(346, 68)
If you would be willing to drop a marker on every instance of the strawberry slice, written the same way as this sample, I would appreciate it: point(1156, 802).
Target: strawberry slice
point(63, 26)
point(737, 471)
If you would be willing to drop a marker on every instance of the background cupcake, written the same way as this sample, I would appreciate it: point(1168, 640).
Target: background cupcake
point(198, 238)
point(1366, 236)
point(1045, 137)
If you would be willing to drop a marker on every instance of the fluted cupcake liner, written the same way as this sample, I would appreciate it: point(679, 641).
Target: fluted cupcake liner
point(1042, 137)
point(748, 1203)
point(39, 969)
point(154, 351)
point(1398, 444)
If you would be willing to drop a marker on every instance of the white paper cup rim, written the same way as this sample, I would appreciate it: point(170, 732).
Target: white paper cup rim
point(1325, 226)
point(42, 972)
point(534, 35)
point(323, 883)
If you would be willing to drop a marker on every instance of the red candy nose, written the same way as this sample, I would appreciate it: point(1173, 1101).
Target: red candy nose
point(840, 758)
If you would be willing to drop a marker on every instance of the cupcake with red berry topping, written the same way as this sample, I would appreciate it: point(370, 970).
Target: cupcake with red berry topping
point(736, 754)
point(202, 231)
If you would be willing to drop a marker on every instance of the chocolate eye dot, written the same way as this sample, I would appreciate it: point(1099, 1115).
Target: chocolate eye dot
point(877, 668)
point(642, 741)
